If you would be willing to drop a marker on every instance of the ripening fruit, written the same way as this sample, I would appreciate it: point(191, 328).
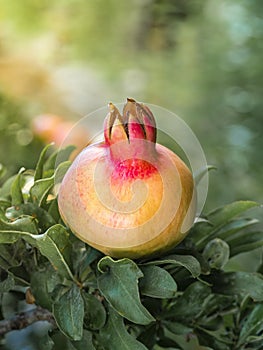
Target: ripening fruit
point(128, 196)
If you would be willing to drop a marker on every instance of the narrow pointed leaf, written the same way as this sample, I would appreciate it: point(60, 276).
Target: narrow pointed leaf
point(119, 285)
point(53, 209)
point(40, 164)
point(246, 242)
point(221, 218)
point(58, 157)
point(225, 214)
point(253, 325)
point(16, 191)
point(2, 170)
point(229, 231)
point(42, 187)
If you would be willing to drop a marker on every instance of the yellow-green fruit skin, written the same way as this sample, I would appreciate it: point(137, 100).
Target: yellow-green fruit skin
point(79, 205)
point(128, 196)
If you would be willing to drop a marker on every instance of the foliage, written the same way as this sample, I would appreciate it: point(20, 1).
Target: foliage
point(17, 140)
point(186, 300)
point(201, 59)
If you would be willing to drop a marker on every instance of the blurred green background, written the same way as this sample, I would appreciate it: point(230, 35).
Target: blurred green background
point(201, 59)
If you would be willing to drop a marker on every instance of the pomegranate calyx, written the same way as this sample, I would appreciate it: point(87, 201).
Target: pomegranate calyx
point(136, 122)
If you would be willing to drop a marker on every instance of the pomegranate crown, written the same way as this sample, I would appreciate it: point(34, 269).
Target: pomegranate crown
point(136, 122)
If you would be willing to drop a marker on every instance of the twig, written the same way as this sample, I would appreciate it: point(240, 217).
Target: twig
point(25, 319)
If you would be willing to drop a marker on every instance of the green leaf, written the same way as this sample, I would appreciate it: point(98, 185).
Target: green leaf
point(69, 313)
point(91, 255)
point(187, 261)
point(148, 336)
point(4, 204)
point(20, 275)
point(224, 214)
point(83, 257)
point(157, 347)
point(177, 328)
point(51, 244)
point(220, 339)
point(61, 238)
point(190, 343)
point(95, 314)
point(61, 171)
point(221, 218)
point(58, 157)
point(7, 257)
point(40, 164)
point(48, 244)
point(44, 219)
point(245, 241)
point(63, 342)
point(2, 214)
point(157, 283)
point(119, 285)
point(241, 283)
point(7, 236)
point(188, 306)
point(42, 187)
point(219, 305)
point(53, 209)
point(84, 344)
point(16, 191)
point(252, 325)
point(45, 343)
point(228, 231)
point(24, 223)
point(201, 229)
point(42, 284)
point(2, 170)
point(7, 284)
point(115, 336)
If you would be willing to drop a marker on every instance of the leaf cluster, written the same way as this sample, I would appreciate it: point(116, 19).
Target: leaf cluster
point(186, 300)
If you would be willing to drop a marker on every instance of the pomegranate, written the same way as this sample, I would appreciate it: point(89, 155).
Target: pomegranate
point(128, 196)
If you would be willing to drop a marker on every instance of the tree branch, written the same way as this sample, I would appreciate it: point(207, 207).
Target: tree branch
point(25, 319)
